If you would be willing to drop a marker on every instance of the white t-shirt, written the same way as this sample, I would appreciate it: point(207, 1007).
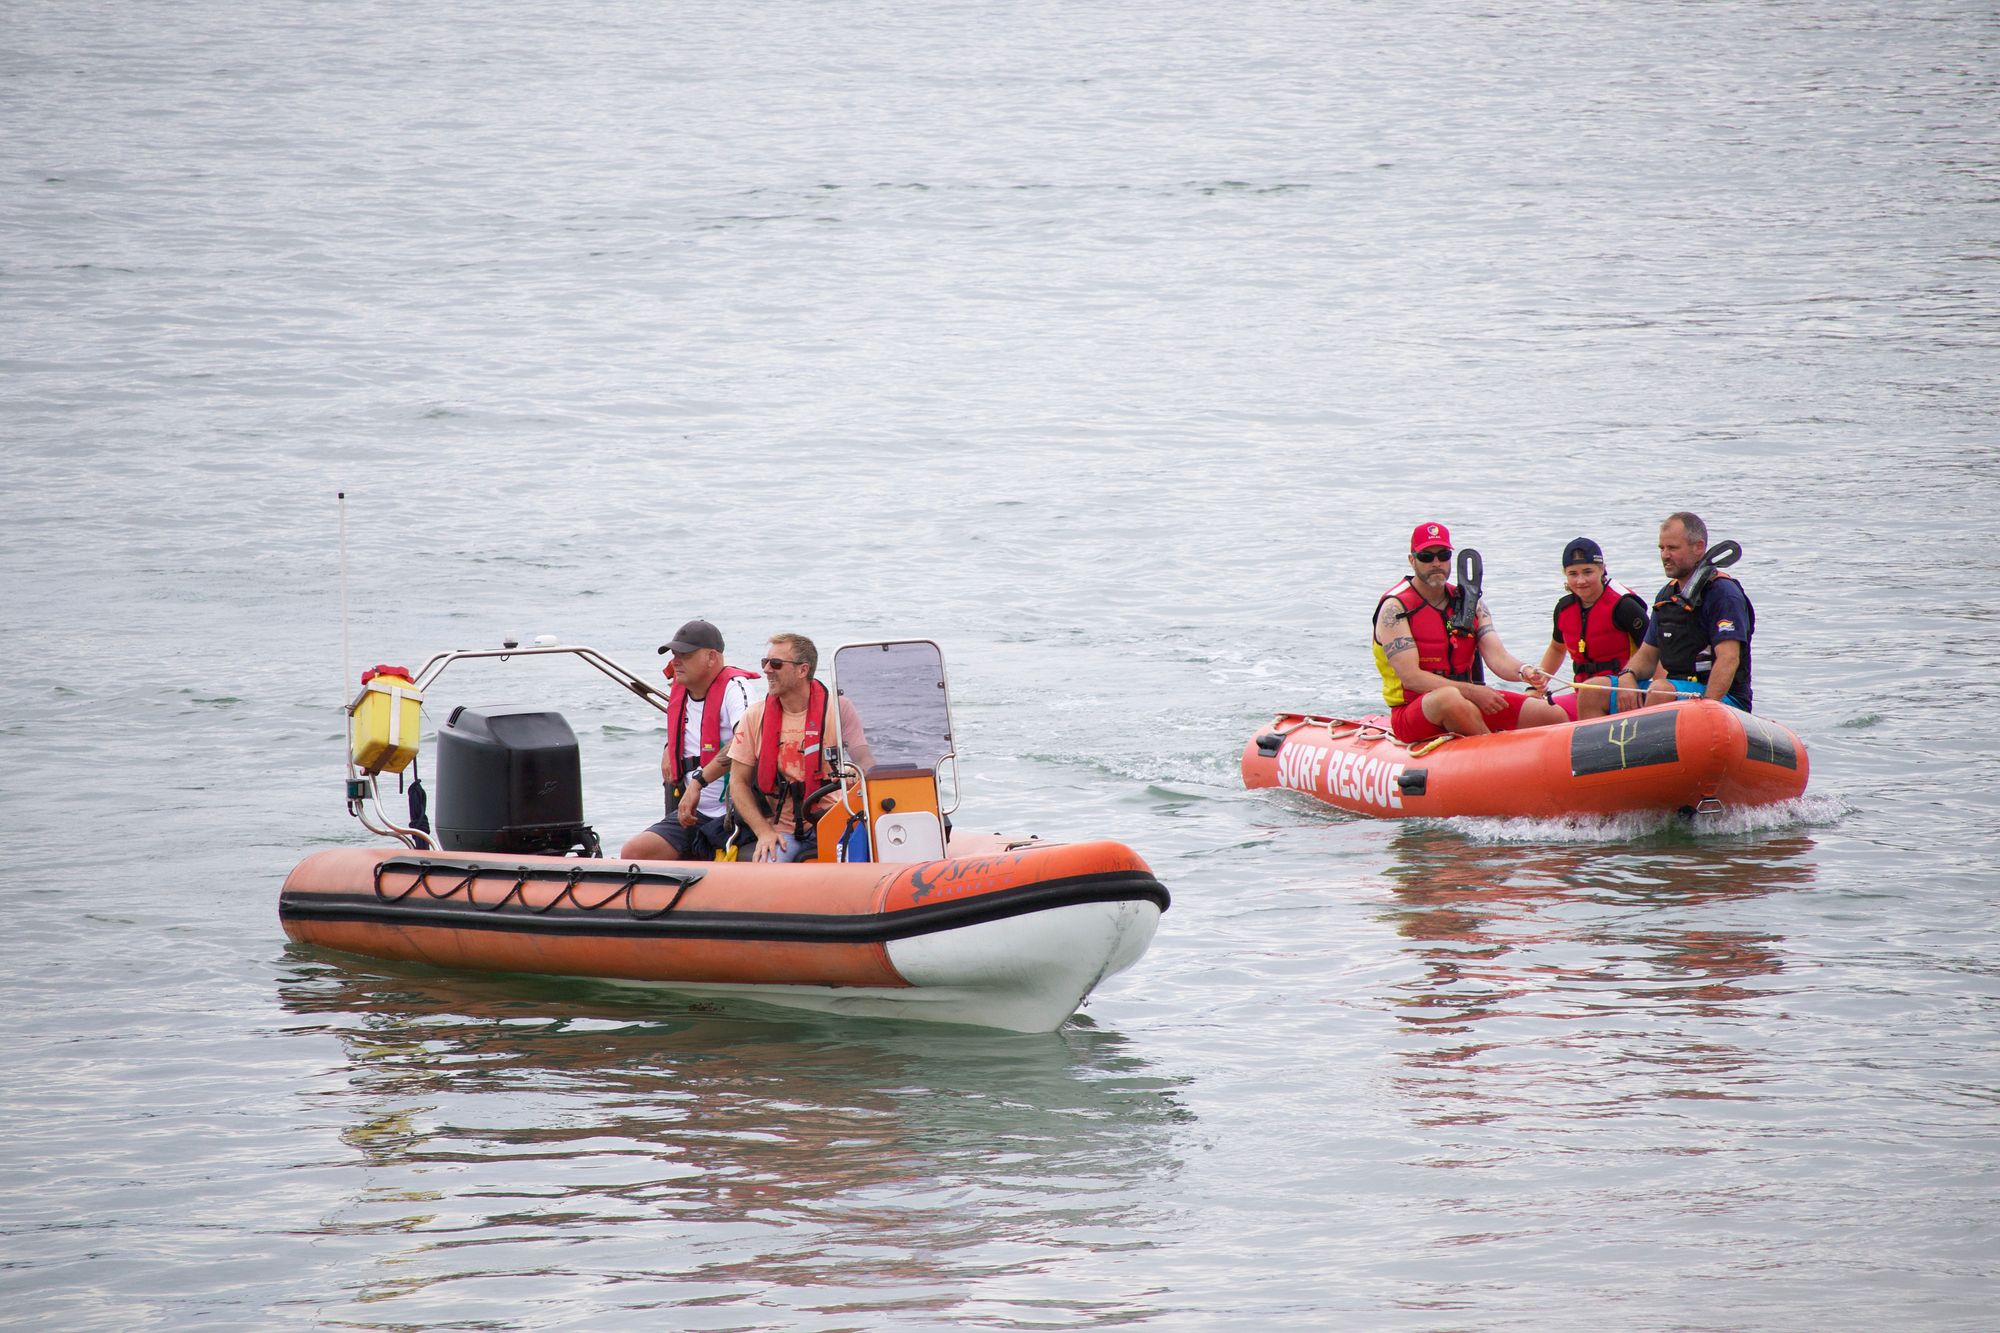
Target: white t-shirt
point(736, 700)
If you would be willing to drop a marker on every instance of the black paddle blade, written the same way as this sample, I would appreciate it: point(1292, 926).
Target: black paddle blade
point(1471, 572)
point(1720, 556)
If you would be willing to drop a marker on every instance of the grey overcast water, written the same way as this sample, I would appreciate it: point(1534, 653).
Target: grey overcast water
point(1116, 347)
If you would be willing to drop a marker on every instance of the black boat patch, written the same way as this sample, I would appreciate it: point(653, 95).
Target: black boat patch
point(1622, 742)
point(1769, 744)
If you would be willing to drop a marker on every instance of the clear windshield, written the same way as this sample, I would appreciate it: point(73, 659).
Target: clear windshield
point(899, 694)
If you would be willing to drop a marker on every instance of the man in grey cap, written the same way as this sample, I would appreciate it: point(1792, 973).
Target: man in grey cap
point(708, 699)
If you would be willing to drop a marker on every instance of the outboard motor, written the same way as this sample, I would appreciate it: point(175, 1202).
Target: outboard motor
point(509, 781)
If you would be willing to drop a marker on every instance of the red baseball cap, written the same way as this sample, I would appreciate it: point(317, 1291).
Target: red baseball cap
point(1428, 535)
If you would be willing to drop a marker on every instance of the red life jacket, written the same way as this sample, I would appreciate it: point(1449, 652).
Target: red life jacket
point(1454, 656)
point(1596, 645)
point(711, 720)
point(769, 784)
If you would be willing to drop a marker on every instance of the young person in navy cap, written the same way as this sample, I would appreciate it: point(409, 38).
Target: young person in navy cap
point(708, 700)
point(1698, 645)
point(1431, 671)
point(1599, 624)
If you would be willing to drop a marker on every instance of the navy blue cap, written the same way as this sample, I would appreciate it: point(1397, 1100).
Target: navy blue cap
point(1582, 551)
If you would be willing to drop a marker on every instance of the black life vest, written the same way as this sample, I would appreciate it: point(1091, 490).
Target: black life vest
point(1685, 652)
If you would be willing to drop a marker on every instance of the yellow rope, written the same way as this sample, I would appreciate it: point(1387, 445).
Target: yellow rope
point(1555, 683)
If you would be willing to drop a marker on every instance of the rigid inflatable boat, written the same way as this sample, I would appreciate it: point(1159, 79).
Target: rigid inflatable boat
point(1694, 755)
point(912, 920)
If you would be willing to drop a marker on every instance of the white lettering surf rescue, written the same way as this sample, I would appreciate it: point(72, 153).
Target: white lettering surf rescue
point(1351, 777)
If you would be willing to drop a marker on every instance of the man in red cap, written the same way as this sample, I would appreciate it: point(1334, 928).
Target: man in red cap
point(1430, 648)
point(708, 700)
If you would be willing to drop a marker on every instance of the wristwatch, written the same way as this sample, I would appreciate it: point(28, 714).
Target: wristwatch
point(695, 779)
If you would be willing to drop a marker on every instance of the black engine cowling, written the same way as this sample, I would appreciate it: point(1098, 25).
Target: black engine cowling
point(509, 780)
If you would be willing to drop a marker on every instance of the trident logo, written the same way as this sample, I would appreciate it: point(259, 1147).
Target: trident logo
point(1621, 734)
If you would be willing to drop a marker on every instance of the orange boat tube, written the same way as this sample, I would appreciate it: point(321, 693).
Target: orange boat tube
point(1014, 938)
point(1695, 755)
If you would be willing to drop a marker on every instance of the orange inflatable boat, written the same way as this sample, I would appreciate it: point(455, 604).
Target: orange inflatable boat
point(1694, 755)
point(898, 914)
point(1014, 937)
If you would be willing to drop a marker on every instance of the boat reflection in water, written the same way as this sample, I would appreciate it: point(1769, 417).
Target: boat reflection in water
point(1583, 979)
point(513, 1123)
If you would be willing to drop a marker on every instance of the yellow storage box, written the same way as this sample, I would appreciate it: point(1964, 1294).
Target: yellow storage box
point(387, 719)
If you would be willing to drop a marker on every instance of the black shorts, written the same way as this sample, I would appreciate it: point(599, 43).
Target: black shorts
point(699, 843)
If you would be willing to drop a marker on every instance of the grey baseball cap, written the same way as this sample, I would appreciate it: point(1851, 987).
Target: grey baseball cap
point(695, 634)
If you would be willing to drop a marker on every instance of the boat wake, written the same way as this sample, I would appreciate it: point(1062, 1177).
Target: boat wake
point(1635, 826)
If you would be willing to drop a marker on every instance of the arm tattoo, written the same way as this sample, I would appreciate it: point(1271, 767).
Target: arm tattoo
point(1401, 644)
point(1387, 618)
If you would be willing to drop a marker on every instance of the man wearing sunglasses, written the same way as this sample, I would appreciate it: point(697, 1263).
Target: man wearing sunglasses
point(778, 761)
point(1432, 674)
point(707, 702)
point(1698, 645)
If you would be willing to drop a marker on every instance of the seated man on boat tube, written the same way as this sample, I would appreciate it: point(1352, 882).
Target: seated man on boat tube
point(1698, 645)
point(778, 761)
point(1430, 647)
point(1599, 624)
point(707, 702)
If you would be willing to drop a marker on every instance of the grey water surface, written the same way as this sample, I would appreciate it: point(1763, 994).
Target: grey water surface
point(1116, 348)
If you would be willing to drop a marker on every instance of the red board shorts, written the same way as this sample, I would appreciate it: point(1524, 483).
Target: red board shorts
point(1409, 725)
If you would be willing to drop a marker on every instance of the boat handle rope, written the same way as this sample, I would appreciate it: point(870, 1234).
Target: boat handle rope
point(673, 900)
point(422, 881)
point(635, 875)
point(520, 882)
point(1336, 728)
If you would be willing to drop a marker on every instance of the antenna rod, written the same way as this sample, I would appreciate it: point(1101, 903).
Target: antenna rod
point(346, 673)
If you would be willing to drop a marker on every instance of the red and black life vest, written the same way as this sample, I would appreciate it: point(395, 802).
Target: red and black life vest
point(711, 722)
point(1441, 649)
point(1596, 644)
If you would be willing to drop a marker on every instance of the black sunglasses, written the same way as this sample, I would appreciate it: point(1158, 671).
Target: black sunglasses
point(773, 663)
point(1434, 555)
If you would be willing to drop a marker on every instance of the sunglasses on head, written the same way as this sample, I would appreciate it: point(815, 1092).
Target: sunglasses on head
point(773, 663)
point(1434, 555)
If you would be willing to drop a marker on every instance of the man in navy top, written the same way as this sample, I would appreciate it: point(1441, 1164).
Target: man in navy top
point(1698, 644)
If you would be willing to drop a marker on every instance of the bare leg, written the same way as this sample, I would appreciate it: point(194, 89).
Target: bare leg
point(1542, 713)
point(1454, 712)
point(647, 846)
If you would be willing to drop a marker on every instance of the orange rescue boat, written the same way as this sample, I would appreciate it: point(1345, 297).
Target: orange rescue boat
point(1013, 937)
point(1696, 756)
point(897, 915)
